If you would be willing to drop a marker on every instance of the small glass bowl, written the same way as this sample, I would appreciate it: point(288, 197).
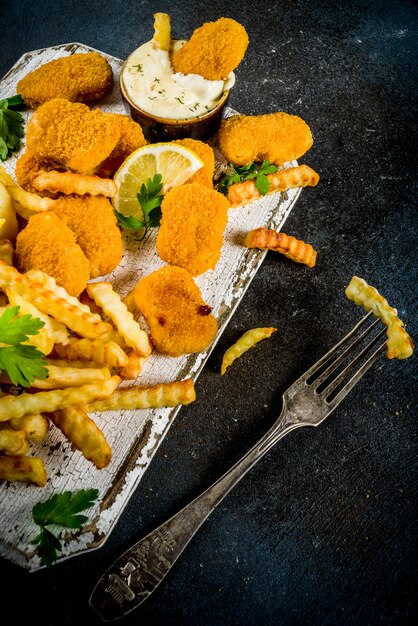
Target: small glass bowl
point(167, 129)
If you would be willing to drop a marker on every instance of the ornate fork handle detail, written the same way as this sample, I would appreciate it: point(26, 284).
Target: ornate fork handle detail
point(134, 575)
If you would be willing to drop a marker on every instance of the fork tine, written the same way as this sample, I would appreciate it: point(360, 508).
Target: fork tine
point(334, 365)
point(359, 374)
point(316, 366)
point(343, 374)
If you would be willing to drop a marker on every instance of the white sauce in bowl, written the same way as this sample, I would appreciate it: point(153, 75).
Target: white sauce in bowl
point(152, 86)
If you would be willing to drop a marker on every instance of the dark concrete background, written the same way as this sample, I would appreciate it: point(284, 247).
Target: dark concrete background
point(324, 528)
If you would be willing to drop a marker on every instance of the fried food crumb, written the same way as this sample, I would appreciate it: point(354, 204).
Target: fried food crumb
point(47, 244)
point(192, 224)
point(80, 77)
point(180, 321)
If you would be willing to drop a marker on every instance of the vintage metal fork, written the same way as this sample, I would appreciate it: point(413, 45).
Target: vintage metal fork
point(135, 574)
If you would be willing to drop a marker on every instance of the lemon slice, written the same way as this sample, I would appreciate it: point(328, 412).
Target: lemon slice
point(175, 163)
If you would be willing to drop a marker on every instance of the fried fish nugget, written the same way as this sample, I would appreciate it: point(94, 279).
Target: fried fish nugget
point(205, 174)
point(400, 345)
point(48, 244)
point(192, 225)
point(293, 248)
point(93, 222)
point(80, 77)
point(72, 183)
point(131, 138)
point(214, 50)
point(29, 469)
point(83, 434)
point(147, 397)
point(278, 137)
point(300, 176)
point(48, 401)
point(71, 136)
point(179, 320)
point(244, 343)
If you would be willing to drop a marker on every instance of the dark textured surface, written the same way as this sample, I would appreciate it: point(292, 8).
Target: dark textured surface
point(324, 529)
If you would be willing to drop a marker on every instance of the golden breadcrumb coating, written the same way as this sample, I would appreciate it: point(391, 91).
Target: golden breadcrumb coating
point(48, 244)
point(204, 176)
point(93, 222)
point(71, 136)
point(131, 138)
point(192, 224)
point(278, 137)
point(180, 321)
point(81, 77)
point(28, 167)
point(213, 51)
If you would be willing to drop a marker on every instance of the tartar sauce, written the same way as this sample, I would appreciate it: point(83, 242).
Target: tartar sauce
point(152, 85)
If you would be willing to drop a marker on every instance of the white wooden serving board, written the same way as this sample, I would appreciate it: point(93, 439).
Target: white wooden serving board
point(134, 436)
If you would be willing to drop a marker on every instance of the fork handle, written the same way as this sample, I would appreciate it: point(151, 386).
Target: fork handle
point(138, 571)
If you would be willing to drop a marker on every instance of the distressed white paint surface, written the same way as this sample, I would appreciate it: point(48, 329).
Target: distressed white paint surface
point(134, 436)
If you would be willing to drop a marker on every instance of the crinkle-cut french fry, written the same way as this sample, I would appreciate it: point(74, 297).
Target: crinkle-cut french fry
point(55, 329)
point(6, 251)
point(136, 338)
point(47, 401)
point(300, 176)
point(27, 204)
point(63, 377)
point(35, 426)
point(42, 340)
point(134, 366)
point(81, 322)
point(244, 343)
point(73, 183)
point(293, 248)
point(114, 336)
point(11, 441)
point(29, 469)
point(92, 350)
point(162, 31)
point(49, 283)
point(79, 363)
point(400, 345)
point(83, 434)
point(147, 397)
point(6, 179)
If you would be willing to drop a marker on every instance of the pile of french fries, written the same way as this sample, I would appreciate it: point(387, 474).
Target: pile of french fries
point(89, 353)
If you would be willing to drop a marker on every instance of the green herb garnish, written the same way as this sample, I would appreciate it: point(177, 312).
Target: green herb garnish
point(23, 363)
point(241, 173)
point(62, 509)
point(11, 125)
point(150, 199)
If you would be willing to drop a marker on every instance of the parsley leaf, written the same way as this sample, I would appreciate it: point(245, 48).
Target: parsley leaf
point(11, 125)
point(61, 509)
point(23, 363)
point(149, 199)
point(239, 174)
